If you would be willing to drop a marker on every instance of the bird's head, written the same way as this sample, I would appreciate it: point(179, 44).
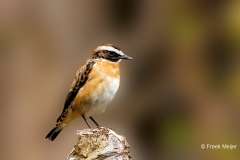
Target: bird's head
point(109, 52)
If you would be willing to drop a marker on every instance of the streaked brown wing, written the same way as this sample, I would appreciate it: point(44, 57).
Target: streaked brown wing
point(80, 79)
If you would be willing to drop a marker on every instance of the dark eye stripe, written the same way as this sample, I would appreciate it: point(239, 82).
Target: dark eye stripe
point(108, 55)
point(111, 55)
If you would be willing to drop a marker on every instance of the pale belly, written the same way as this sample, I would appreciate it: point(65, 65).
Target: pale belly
point(101, 96)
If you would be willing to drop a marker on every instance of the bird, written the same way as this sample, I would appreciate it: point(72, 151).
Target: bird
point(94, 87)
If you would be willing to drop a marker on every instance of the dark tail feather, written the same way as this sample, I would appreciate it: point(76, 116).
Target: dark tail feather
point(53, 134)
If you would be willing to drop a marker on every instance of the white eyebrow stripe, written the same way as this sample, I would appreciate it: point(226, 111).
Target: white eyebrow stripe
point(110, 48)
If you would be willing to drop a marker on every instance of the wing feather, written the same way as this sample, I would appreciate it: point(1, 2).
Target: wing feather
point(80, 79)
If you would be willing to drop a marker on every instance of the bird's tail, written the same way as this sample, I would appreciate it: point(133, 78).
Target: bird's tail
point(62, 122)
point(53, 133)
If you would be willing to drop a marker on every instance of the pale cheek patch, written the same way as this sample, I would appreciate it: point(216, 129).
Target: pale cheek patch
point(104, 60)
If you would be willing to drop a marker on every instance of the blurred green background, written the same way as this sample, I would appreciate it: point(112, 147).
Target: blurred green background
point(181, 90)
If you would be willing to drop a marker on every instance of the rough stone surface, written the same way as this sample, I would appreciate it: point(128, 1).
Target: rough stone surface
point(100, 144)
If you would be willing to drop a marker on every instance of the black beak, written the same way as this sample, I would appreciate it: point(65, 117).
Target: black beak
point(126, 57)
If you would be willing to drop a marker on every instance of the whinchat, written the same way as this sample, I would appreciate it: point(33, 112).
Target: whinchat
point(95, 85)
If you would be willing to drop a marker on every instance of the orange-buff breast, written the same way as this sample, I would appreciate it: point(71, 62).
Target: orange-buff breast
point(99, 90)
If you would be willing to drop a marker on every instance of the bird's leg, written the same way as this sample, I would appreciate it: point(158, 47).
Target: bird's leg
point(94, 121)
point(86, 121)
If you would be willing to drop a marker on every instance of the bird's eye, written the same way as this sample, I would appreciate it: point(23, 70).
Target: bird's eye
point(108, 55)
point(113, 56)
